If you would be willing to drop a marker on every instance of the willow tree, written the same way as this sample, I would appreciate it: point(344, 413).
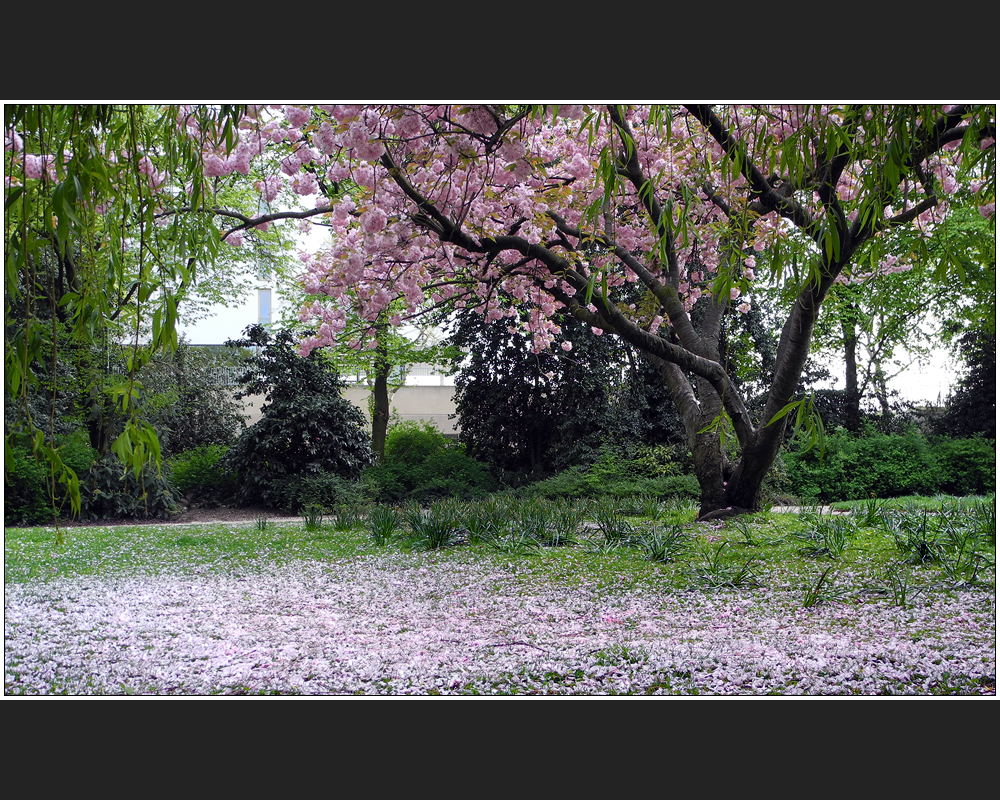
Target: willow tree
point(113, 218)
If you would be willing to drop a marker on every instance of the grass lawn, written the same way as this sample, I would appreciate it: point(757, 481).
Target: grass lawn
point(508, 598)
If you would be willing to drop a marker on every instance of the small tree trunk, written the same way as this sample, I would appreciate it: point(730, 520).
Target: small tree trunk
point(380, 399)
point(380, 413)
point(852, 397)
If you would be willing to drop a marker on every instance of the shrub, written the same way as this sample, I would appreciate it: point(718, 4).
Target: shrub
point(324, 490)
point(27, 498)
point(306, 426)
point(856, 467)
point(197, 473)
point(413, 442)
point(421, 464)
point(613, 477)
point(111, 491)
point(965, 466)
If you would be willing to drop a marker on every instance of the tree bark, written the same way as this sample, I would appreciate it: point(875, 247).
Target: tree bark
point(380, 400)
point(852, 397)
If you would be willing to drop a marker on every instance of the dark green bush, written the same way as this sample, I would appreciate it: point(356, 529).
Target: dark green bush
point(198, 474)
point(965, 466)
point(890, 465)
point(27, 498)
point(306, 427)
point(324, 490)
point(421, 464)
point(112, 491)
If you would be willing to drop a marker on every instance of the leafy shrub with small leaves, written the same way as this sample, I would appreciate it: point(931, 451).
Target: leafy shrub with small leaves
point(27, 496)
point(324, 489)
point(579, 482)
point(965, 466)
point(421, 464)
point(874, 463)
point(413, 442)
point(198, 474)
point(112, 491)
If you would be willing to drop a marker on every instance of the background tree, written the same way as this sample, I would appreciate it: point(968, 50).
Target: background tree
point(382, 356)
point(884, 322)
point(972, 407)
point(524, 412)
point(105, 236)
point(307, 429)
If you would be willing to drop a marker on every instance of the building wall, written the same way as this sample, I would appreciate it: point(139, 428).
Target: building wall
point(431, 403)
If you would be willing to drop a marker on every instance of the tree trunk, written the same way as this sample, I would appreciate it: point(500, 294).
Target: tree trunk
point(380, 400)
point(380, 412)
point(852, 397)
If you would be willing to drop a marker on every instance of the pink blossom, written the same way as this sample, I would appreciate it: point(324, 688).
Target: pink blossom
point(579, 167)
point(216, 167)
point(567, 346)
point(34, 166)
point(305, 184)
point(373, 220)
point(13, 142)
point(290, 165)
point(297, 116)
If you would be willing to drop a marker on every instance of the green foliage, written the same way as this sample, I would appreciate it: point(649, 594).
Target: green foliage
point(412, 442)
point(421, 464)
point(972, 408)
point(197, 473)
point(526, 413)
point(381, 523)
point(26, 499)
point(306, 426)
point(828, 537)
point(875, 463)
point(965, 466)
point(90, 244)
point(28, 485)
point(187, 402)
point(312, 517)
point(111, 491)
point(325, 490)
point(649, 475)
point(662, 544)
point(345, 517)
point(434, 527)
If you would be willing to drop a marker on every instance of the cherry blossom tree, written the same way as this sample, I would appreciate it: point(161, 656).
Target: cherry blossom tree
point(571, 209)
